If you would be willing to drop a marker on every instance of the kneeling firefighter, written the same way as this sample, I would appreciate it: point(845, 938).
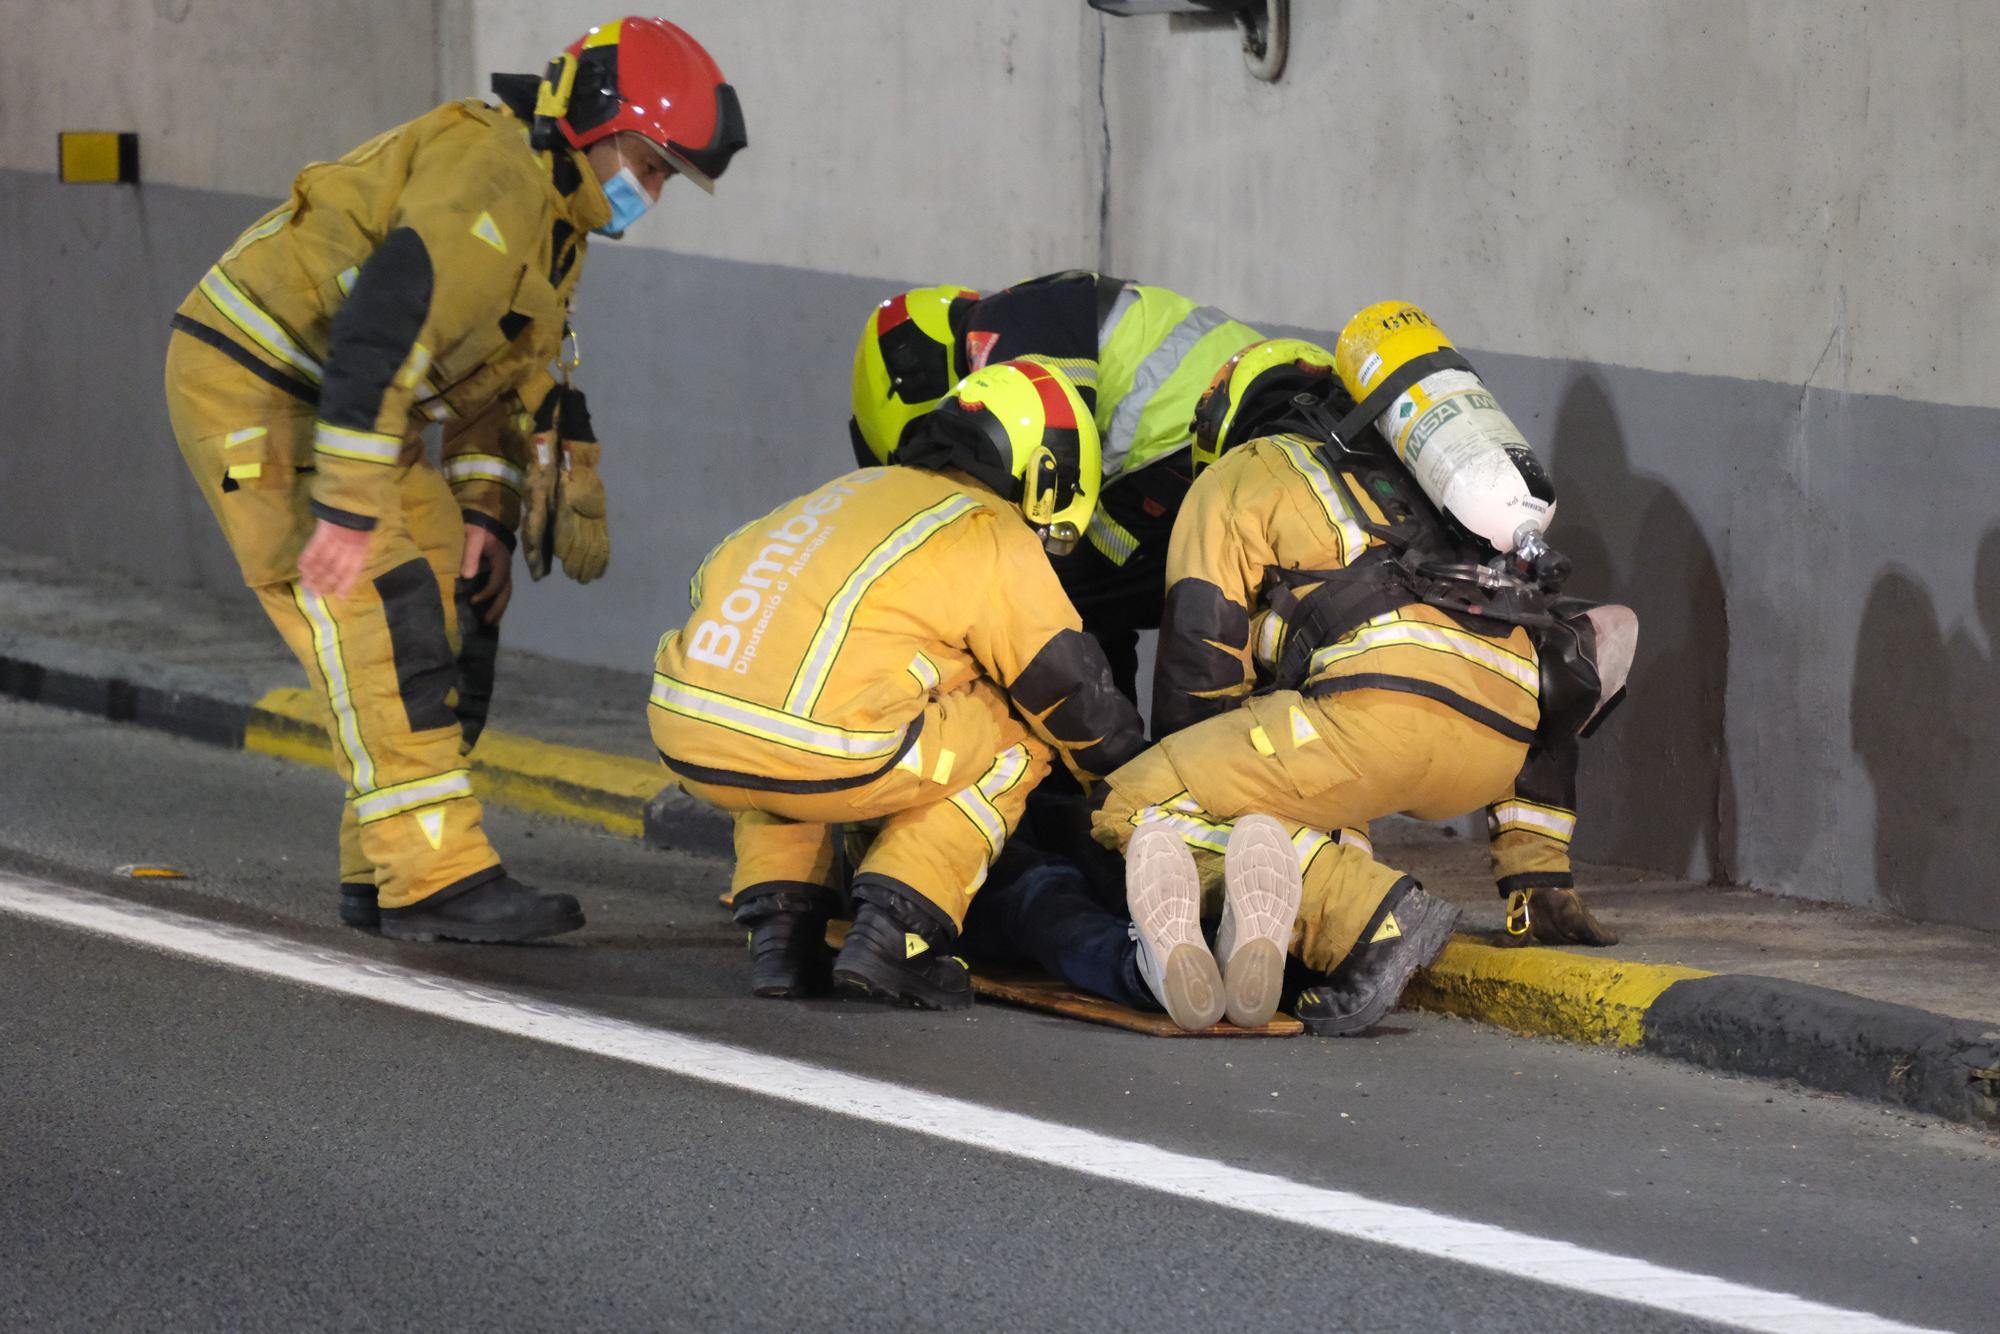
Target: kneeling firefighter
point(867, 653)
point(1139, 355)
point(1338, 647)
point(426, 277)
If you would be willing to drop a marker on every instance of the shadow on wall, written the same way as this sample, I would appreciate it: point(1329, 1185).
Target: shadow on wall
point(1926, 727)
point(1656, 788)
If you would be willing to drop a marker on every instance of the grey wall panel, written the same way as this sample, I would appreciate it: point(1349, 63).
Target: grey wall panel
point(88, 277)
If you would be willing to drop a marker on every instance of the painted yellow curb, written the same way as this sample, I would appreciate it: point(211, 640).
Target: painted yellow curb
point(1549, 993)
point(609, 791)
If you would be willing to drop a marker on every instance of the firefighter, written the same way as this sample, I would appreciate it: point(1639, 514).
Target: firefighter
point(1139, 355)
point(868, 652)
point(426, 276)
point(1386, 679)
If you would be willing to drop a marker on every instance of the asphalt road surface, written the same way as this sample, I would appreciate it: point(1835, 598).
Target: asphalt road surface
point(220, 1110)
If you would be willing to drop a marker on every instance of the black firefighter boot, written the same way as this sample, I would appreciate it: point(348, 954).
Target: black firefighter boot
point(787, 919)
point(896, 949)
point(1405, 934)
point(488, 908)
point(357, 906)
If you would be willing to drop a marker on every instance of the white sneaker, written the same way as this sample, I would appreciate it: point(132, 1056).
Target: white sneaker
point(1163, 894)
point(1261, 872)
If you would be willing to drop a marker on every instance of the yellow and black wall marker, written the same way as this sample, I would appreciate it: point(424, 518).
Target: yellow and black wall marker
point(103, 157)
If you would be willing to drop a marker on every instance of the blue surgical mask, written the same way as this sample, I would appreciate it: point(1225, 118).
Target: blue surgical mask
point(629, 202)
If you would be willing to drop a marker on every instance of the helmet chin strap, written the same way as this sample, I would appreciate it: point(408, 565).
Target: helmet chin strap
point(552, 102)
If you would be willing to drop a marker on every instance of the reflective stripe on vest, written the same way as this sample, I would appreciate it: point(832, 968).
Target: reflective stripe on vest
point(1112, 539)
point(1151, 391)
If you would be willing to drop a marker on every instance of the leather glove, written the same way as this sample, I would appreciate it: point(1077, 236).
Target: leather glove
point(539, 498)
point(1553, 917)
point(582, 535)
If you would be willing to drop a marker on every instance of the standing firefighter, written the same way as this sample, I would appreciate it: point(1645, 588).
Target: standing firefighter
point(1398, 665)
point(426, 276)
point(1139, 355)
point(867, 654)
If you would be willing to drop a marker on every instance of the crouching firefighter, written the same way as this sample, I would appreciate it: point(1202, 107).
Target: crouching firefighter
point(1335, 649)
point(425, 277)
point(893, 649)
point(1140, 355)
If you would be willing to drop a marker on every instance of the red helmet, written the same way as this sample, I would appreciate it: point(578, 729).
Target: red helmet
point(647, 77)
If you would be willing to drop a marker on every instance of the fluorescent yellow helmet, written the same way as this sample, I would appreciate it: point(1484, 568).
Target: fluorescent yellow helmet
point(1020, 428)
point(1249, 389)
point(906, 361)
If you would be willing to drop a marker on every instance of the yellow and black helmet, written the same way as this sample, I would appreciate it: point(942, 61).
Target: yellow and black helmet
point(1250, 388)
point(906, 361)
point(1020, 428)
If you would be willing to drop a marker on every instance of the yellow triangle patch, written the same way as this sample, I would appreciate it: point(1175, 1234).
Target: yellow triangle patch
point(488, 231)
point(1387, 931)
point(432, 823)
point(913, 944)
point(1302, 728)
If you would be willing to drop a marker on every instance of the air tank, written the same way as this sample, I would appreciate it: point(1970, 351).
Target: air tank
point(1465, 453)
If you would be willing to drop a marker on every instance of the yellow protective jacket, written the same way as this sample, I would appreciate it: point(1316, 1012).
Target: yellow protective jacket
point(1252, 529)
point(424, 276)
point(822, 631)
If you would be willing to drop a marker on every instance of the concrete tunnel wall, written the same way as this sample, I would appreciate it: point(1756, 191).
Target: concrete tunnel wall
point(1728, 263)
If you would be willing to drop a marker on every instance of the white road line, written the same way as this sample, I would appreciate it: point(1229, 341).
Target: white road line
point(1515, 1255)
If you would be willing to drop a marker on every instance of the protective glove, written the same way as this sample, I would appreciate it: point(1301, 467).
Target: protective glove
point(539, 499)
point(1552, 917)
point(582, 535)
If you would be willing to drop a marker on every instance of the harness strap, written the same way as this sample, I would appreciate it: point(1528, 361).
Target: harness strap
point(1349, 428)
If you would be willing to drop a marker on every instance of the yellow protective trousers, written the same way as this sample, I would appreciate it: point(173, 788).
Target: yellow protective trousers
point(944, 809)
point(1325, 767)
point(382, 660)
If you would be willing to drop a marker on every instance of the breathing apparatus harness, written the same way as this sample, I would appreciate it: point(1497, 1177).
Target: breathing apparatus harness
point(1423, 558)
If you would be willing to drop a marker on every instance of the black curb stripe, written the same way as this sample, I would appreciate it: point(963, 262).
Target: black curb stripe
point(1830, 1040)
point(197, 717)
point(671, 818)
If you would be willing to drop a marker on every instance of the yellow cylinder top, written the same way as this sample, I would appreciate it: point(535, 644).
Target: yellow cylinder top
point(1381, 338)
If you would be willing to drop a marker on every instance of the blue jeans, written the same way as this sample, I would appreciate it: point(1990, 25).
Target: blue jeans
point(1046, 913)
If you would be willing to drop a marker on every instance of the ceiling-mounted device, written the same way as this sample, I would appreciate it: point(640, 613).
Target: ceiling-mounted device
point(1265, 25)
